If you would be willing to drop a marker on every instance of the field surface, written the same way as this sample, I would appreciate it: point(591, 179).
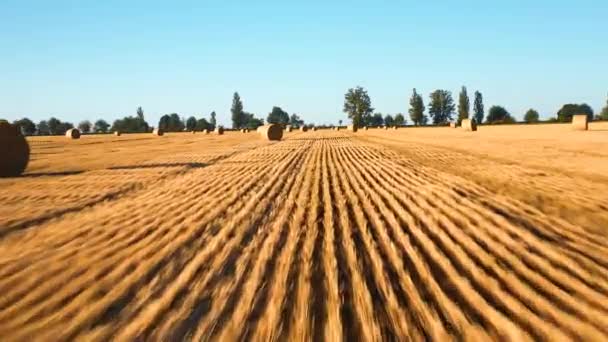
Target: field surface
point(413, 234)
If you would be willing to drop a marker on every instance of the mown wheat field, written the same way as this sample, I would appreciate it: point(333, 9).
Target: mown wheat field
point(414, 234)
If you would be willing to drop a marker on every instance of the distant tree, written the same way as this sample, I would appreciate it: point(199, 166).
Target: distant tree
point(278, 116)
point(463, 105)
point(295, 120)
point(54, 126)
point(357, 105)
point(27, 126)
point(340, 122)
point(388, 120)
point(478, 109)
point(175, 123)
point(164, 122)
point(399, 120)
point(252, 122)
point(568, 110)
point(191, 123)
point(237, 111)
point(202, 124)
point(604, 113)
point(43, 128)
point(498, 114)
point(417, 108)
point(130, 124)
point(140, 113)
point(531, 116)
point(441, 107)
point(85, 126)
point(376, 120)
point(101, 126)
point(212, 121)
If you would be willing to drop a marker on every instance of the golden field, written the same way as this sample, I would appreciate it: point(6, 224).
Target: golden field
point(409, 234)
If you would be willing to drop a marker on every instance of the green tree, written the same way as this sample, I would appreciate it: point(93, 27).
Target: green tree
point(130, 124)
point(498, 114)
point(202, 124)
point(212, 121)
point(568, 110)
point(463, 105)
point(27, 126)
point(85, 126)
point(164, 122)
point(388, 120)
point(399, 120)
point(54, 126)
point(191, 123)
point(441, 107)
point(278, 116)
point(175, 123)
point(357, 105)
point(140, 113)
point(295, 120)
point(604, 113)
point(376, 120)
point(416, 108)
point(478, 109)
point(43, 128)
point(101, 126)
point(237, 111)
point(252, 122)
point(531, 116)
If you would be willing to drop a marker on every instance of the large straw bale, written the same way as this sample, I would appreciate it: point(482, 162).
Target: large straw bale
point(314, 128)
point(303, 128)
point(579, 122)
point(72, 133)
point(219, 130)
point(117, 133)
point(352, 128)
point(158, 132)
point(452, 124)
point(271, 132)
point(468, 125)
point(14, 150)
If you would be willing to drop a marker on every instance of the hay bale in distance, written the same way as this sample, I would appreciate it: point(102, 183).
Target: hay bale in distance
point(395, 128)
point(219, 130)
point(579, 122)
point(193, 132)
point(117, 133)
point(72, 133)
point(314, 128)
point(207, 131)
point(469, 125)
point(365, 128)
point(288, 128)
point(352, 128)
point(158, 132)
point(303, 128)
point(14, 150)
point(452, 124)
point(271, 132)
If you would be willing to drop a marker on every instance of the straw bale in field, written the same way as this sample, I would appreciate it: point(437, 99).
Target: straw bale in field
point(314, 128)
point(352, 128)
point(395, 128)
point(219, 130)
point(271, 132)
point(469, 125)
point(207, 131)
point(117, 133)
point(14, 150)
point(452, 125)
point(288, 128)
point(158, 132)
point(579, 122)
point(303, 128)
point(72, 133)
point(365, 128)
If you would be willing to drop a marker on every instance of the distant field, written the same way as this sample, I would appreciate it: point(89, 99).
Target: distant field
point(420, 233)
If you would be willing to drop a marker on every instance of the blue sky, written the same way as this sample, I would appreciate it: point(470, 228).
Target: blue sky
point(81, 60)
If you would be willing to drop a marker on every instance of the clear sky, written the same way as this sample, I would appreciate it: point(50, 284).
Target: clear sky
point(81, 60)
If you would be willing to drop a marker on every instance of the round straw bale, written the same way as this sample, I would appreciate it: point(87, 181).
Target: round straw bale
point(72, 133)
point(385, 127)
point(395, 128)
point(365, 128)
point(452, 124)
point(219, 130)
point(271, 132)
point(579, 122)
point(14, 150)
point(303, 128)
point(158, 132)
point(352, 128)
point(288, 128)
point(193, 132)
point(468, 125)
point(207, 131)
point(117, 133)
point(314, 128)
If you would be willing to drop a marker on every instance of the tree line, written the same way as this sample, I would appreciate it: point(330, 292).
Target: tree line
point(243, 119)
point(442, 110)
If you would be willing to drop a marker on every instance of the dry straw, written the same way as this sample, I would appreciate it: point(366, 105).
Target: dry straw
point(452, 125)
point(303, 128)
point(352, 128)
point(14, 150)
point(395, 128)
point(468, 125)
point(158, 132)
point(117, 133)
point(219, 130)
point(72, 133)
point(207, 131)
point(579, 122)
point(365, 128)
point(314, 128)
point(288, 128)
point(271, 132)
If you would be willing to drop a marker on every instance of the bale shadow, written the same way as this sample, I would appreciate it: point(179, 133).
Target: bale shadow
point(51, 174)
point(151, 166)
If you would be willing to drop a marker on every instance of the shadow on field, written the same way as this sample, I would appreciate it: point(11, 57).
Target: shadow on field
point(151, 166)
point(44, 174)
